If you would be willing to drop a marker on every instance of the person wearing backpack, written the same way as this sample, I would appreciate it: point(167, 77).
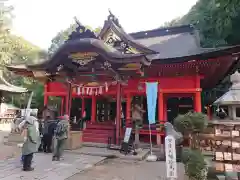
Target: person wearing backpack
point(60, 136)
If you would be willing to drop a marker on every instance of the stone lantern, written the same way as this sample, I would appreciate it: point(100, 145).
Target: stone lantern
point(232, 98)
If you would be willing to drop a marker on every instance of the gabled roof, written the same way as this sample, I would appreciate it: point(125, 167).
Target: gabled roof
point(126, 55)
point(112, 28)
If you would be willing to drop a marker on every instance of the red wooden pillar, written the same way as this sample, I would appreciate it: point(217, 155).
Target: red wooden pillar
point(118, 114)
point(164, 108)
point(45, 94)
point(128, 108)
point(62, 105)
point(197, 102)
point(94, 105)
point(83, 106)
point(160, 113)
point(197, 96)
point(160, 106)
point(68, 100)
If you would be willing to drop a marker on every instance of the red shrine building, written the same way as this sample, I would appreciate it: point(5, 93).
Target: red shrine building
point(104, 74)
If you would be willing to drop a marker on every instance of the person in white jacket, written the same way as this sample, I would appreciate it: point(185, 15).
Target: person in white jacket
point(32, 118)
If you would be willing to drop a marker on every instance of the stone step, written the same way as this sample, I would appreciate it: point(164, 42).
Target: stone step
point(90, 134)
point(95, 139)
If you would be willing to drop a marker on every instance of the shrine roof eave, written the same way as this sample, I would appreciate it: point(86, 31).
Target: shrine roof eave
point(12, 89)
point(200, 54)
point(90, 45)
point(7, 87)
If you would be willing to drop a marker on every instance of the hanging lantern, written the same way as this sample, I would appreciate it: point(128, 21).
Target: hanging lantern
point(96, 91)
point(83, 92)
point(106, 86)
point(100, 90)
point(78, 90)
point(90, 91)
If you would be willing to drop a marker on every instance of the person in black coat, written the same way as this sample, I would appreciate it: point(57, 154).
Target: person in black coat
point(48, 132)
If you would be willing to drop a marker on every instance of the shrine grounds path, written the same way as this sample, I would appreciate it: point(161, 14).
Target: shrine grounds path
point(79, 166)
point(116, 169)
point(45, 169)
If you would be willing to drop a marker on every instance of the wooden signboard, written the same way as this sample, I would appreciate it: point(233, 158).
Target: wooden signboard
point(223, 141)
point(127, 144)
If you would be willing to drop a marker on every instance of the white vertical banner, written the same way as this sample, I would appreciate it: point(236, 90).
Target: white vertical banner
point(171, 161)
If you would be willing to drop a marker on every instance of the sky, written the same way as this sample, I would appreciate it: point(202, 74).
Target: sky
point(38, 21)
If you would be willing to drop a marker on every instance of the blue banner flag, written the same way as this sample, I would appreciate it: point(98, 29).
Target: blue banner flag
point(151, 90)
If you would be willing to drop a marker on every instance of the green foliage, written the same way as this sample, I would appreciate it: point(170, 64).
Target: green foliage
point(190, 125)
point(195, 165)
point(216, 20)
point(183, 124)
point(6, 45)
point(185, 155)
point(62, 36)
point(199, 120)
point(191, 122)
point(16, 50)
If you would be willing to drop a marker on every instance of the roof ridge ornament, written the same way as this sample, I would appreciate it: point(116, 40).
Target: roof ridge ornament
point(113, 18)
point(81, 32)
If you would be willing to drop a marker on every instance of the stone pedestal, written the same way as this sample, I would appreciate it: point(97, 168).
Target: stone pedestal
point(74, 140)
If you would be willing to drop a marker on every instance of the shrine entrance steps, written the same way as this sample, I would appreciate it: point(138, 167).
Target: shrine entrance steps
point(98, 133)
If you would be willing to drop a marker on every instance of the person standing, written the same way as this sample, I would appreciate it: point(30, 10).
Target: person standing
point(23, 131)
point(47, 135)
point(30, 144)
point(137, 118)
point(60, 136)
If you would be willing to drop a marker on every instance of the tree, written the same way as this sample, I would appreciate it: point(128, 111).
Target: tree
point(6, 45)
point(16, 50)
point(216, 20)
point(62, 36)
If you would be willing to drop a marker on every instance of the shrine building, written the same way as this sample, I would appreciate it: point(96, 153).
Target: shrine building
point(105, 74)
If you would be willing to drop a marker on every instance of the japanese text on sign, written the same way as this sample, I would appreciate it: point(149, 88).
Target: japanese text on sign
point(171, 164)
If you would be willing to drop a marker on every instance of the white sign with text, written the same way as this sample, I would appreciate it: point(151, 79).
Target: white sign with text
point(127, 135)
point(171, 161)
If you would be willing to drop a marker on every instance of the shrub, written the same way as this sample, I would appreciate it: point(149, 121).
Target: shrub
point(190, 125)
point(191, 122)
point(195, 166)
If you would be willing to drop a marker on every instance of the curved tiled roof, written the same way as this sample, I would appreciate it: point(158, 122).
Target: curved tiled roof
point(6, 86)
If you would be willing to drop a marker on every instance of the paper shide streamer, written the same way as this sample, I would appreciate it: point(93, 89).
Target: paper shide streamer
point(88, 90)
